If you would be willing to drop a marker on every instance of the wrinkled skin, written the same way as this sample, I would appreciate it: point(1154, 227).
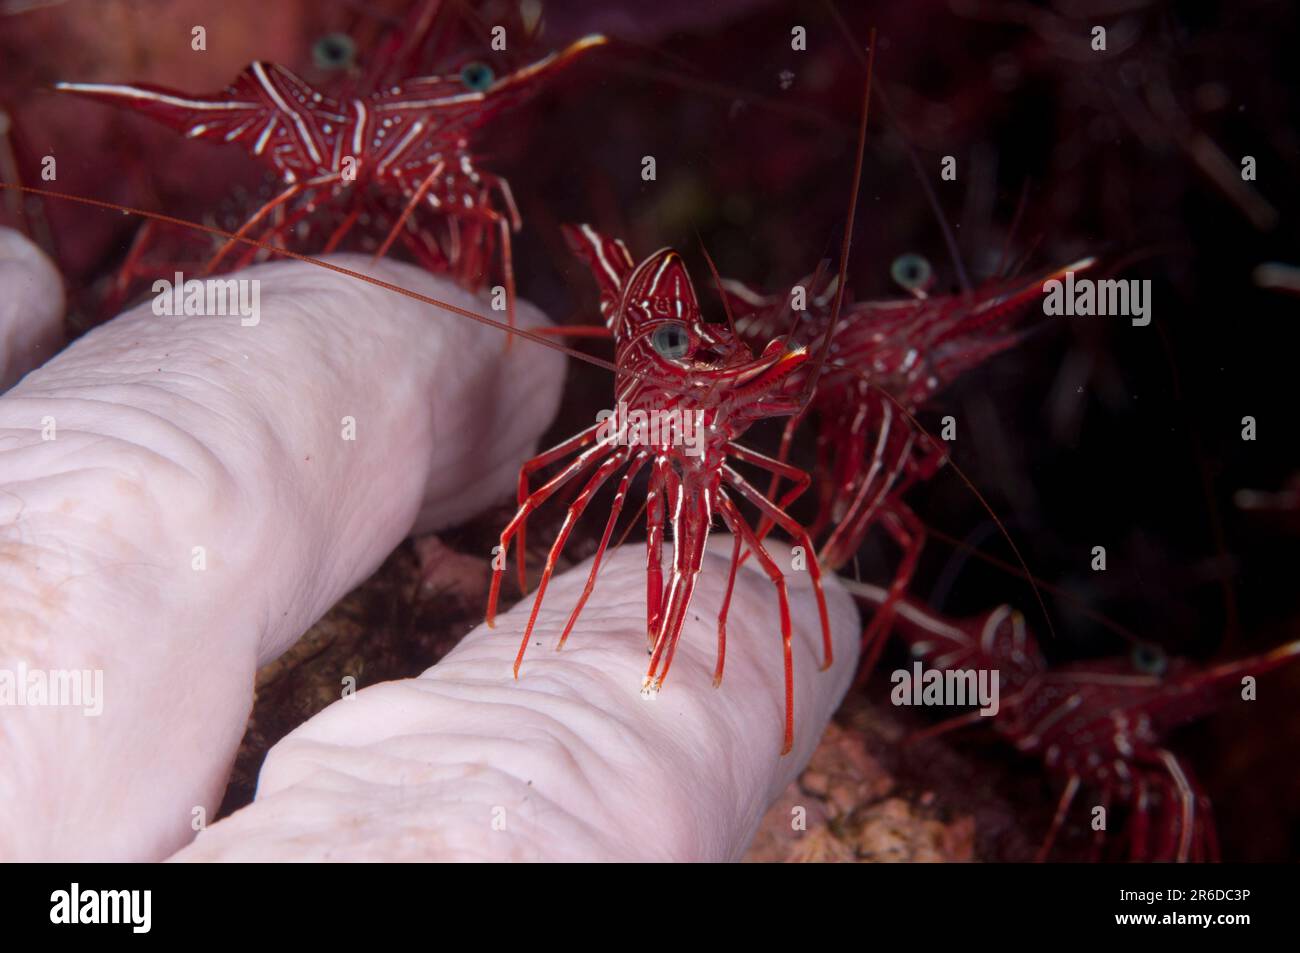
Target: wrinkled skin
point(570, 762)
point(176, 433)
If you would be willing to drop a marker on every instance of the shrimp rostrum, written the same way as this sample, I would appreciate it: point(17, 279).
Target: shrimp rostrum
point(685, 390)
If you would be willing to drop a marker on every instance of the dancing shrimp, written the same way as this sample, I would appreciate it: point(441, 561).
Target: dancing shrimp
point(1098, 723)
point(887, 358)
point(671, 365)
point(670, 362)
point(686, 374)
point(408, 140)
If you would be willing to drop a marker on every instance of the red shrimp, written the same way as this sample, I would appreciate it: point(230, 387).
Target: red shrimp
point(341, 159)
point(1099, 724)
point(671, 362)
point(887, 358)
point(669, 359)
point(702, 388)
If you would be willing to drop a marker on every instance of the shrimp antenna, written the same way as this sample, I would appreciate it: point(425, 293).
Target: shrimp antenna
point(398, 47)
point(689, 78)
point(847, 242)
point(329, 266)
point(818, 276)
point(717, 283)
point(1081, 605)
point(970, 484)
point(1002, 528)
point(1004, 259)
point(948, 237)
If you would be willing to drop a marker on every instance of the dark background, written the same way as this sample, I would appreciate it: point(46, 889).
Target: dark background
point(1091, 432)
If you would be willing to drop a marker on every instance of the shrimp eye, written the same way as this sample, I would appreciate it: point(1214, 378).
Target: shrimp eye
point(671, 341)
point(334, 51)
point(911, 271)
point(1149, 659)
point(477, 76)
